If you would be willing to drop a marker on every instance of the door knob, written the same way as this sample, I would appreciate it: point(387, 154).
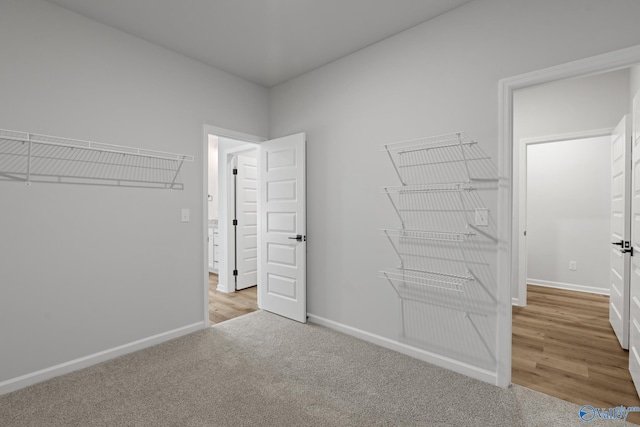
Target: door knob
point(299, 238)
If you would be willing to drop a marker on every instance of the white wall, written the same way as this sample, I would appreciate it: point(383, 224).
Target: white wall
point(569, 213)
point(564, 107)
point(84, 269)
point(435, 78)
point(213, 177)
point(573, 105)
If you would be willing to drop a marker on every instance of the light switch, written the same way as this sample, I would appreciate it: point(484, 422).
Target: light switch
point(185, 215)
point(482, 217)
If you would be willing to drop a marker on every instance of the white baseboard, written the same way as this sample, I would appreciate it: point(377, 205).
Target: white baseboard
point(83, 362)
point(568, 286)
point(435, 359)
point(515, 301)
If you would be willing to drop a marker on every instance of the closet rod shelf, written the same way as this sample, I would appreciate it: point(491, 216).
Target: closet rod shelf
point(434, 142)
point(429, 188)
point(12, 135)
point(427, 235)
point(426, 278)
point(31, 157)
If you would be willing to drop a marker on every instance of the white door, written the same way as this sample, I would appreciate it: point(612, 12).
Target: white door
point(620, 231)
point(634, 312)
point(247, 216)
point(282, 227)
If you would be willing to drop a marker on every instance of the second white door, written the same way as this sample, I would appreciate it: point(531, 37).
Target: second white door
point(247, 221)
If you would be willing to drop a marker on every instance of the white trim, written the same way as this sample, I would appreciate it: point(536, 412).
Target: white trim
point(226, 133)
point(598, 64)
point(232, 134)
point(569, 136)
point(520, 196)
point(515, 301)
point(73, 365)
point(426, 356)
point(503, 312)
point(569, 286)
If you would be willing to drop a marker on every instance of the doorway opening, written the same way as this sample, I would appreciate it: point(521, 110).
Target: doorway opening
point(508, 250)
point(263, 239)
point(232, 212)
point(563, 343)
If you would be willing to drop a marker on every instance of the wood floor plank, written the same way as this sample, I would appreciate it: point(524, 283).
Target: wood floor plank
point(563, 345)
point(523, 363)
point(223, 306)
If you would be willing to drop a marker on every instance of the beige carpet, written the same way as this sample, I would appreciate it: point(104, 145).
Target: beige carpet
point(263, 370)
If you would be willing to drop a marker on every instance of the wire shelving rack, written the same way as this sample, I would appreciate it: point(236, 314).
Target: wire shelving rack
point(438, 181)
point(30, 157)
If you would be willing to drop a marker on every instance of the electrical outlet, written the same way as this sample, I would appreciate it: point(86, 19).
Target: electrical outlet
point(482, 217)
point(572, 266)
point(185, 215)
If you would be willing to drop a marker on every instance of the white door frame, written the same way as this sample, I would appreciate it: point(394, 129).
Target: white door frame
point(225, 133)
point(520, 195)
point(508, 250)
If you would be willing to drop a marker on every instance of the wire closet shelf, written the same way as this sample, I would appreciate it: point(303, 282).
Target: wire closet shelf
point(431, 279)
point(439, 163)
point(445, 236)
point(437, 243)
point(30, 157)
point(429, 188)
point(413, 161)
point(441, 141)
point(452, 148)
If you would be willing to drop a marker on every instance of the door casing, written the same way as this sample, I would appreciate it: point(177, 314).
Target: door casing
point(520, 197)
point(226, 133)
point(508, 248)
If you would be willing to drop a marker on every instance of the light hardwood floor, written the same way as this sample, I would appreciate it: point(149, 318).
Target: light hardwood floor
point(563, 346)
point(227, 306)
